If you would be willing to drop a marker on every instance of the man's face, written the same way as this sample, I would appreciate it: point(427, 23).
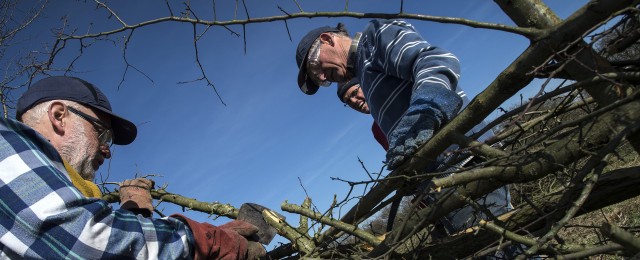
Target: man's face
point(83, 150)
point(354, 98)
point(331, 64)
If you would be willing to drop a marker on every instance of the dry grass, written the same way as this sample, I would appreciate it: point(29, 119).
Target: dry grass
point(584, 230)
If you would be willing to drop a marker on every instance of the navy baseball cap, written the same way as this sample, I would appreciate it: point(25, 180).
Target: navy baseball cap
point(304, 82)
point(344, 86)
point(78, 90)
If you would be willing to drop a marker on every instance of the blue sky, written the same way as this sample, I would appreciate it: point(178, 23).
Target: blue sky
point(270, 138)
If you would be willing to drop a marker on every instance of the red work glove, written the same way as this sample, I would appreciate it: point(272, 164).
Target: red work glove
point(135, 196)
point(249, 232)
point(224, 242)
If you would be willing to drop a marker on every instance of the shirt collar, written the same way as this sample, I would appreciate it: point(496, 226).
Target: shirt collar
point(351, 61)
point(87, 188)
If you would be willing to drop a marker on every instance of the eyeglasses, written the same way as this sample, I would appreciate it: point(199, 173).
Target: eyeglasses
point(352, 95)
point(105, 136)
point(313, 64)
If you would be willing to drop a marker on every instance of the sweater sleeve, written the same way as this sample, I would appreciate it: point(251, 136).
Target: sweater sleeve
point(401, 52)
point(434, 71)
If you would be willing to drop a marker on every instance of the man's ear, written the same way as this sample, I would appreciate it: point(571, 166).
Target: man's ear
point(326, 38)
point(57, 113)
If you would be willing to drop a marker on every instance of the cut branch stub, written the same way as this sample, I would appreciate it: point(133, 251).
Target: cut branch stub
point(301, 242)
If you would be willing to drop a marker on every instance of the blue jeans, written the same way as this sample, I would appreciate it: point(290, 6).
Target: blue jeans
point(497, 202)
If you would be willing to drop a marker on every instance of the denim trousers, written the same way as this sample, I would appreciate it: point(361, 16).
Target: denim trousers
point(496, 203)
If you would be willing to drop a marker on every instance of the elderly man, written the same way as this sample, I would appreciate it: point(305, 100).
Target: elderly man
point(350, 93)
point(410, 85)
point(50, 207)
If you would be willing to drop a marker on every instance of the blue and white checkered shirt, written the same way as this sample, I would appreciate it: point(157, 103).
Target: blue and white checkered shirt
point(42, 215)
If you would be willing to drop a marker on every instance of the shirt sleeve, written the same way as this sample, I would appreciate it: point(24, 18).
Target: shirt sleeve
point(42, 215)
point(434, 71)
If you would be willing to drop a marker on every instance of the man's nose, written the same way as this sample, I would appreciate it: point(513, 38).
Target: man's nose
point(105, 151)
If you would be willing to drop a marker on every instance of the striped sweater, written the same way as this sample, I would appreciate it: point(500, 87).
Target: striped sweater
point(410, 85)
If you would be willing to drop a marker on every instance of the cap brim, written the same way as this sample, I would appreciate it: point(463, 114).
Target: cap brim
point(305, 83)
point(124, 131)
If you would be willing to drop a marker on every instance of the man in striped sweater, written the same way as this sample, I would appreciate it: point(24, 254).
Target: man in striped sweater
point(409, 85)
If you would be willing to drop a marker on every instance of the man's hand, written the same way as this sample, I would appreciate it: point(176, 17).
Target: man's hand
point(135, 196)
point(249, 232)
point(229, 241)
point(412, 132)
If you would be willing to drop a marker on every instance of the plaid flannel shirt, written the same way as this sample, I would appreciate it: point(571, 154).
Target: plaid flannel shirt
point(42, 215)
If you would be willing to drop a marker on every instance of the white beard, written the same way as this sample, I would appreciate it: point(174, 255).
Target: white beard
point(77, 153)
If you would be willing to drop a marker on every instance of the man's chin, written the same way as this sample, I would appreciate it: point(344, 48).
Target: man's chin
point(342, 78)
point(346, 76)
point(364, 109)
point(89, 176)
point(87, 172)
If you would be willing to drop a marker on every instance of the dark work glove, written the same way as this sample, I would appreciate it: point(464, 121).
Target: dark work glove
point(431, 106)
point(250, 232)
point(224, 242)
point(135, 196)
point(412, 132)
